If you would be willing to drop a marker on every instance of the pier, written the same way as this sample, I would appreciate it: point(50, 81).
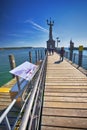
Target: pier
point(61, 98)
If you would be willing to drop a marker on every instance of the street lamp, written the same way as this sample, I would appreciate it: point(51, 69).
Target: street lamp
point(57, 41)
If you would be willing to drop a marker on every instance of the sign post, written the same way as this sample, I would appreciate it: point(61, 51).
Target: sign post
point(26, 71)
point(80, 55)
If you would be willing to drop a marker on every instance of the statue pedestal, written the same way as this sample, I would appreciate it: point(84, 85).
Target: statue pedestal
point(50, 44)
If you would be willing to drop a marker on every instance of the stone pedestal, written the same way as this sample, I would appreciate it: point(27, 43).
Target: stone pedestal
point(50, 44)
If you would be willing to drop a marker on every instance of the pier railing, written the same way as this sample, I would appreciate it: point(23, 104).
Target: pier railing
point(80, 60)
point(30, 111)
point(32, 115)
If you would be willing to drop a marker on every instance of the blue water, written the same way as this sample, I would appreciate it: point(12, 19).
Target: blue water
point(77, 52)
point(21, 55)
point(84, 57)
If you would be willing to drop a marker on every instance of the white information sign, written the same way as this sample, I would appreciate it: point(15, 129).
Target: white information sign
point(25, 70)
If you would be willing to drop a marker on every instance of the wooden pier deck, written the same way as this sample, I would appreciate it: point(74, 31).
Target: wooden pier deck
point(5, 101)
point(65, 97)
point(5, 96)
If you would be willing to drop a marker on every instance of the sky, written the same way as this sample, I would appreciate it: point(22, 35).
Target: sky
point(23, 23)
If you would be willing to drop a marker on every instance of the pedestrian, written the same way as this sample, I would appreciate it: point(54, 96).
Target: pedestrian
point(49, 50)
point(52, 51)
point(62, 51)
point(45, 51)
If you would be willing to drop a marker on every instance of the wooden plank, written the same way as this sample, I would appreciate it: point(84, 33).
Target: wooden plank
point(64, 122)
point(66, 78)
point(65, 105)
point(8, 99)
point(67, 90)
point(65, 99)
point(80, 113)
point(4, 89)
point(61, 81)
point(65, 86)
point(44, 127)
point(59, 77)
point(56, 94)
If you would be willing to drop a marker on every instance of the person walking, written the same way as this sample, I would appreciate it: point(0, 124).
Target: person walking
point(52, 51)
point(62, 51)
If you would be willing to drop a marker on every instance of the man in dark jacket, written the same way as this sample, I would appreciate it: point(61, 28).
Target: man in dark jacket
point(62, 51)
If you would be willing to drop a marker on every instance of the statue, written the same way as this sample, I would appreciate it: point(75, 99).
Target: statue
point(50, 28)
point(50, 42)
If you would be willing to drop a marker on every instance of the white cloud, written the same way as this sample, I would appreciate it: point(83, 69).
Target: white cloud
point(22, 34)
point(37, 26)
point(28, 32)
point(15, 34)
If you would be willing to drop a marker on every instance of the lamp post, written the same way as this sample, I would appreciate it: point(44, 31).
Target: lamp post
point(57, 41)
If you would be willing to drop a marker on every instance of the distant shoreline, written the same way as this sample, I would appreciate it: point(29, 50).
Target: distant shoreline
point(7, 48)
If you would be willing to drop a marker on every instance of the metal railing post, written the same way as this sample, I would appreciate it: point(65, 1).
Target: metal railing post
point(18, 83)
point(7, 123)
point(71, 54)
point(36, 55)
point(80, 58)
point(74, 55)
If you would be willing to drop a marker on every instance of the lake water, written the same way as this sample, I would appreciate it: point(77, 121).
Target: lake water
point(77, 52)
point(75, 58)
point(21, 55)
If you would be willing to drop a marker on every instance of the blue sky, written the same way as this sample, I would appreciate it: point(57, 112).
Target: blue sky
point(23, 22)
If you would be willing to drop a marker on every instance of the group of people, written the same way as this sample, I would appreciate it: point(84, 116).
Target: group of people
point(61, 52)
point(51, 51)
